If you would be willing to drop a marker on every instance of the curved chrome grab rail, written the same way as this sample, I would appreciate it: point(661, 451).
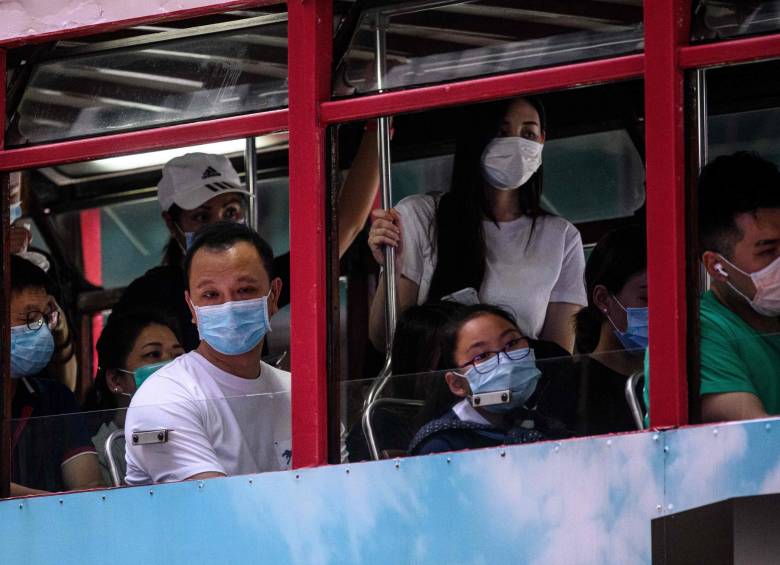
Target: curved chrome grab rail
point(633, 401)
point(113, 469)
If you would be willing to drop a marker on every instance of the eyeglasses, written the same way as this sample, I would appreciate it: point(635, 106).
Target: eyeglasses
point(486, 361)
point(35, 319)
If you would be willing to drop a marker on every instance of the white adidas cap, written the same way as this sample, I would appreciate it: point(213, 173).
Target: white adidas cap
point(192, 179)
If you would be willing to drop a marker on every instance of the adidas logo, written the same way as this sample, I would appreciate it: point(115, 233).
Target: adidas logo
point(210, 172)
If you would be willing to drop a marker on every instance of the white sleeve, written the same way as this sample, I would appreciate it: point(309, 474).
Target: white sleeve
point(417, 214)
point(570, 286)
point(188, 450)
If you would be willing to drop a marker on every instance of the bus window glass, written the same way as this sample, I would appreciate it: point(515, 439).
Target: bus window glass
point(742, 109)
point(109, 88)
point(456, 40)
point(722, 19)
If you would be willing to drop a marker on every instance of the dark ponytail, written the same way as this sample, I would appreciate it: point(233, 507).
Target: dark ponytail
point(617, 257)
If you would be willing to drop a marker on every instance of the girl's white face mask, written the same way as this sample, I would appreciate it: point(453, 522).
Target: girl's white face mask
point(767, 282)
point(508, 162)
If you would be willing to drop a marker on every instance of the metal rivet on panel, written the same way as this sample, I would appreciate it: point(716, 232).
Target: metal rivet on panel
point(768, 427)
point(655, 437)
point(715, 432)
point(666, 449)
point(503, 453)
point(609, 442)
point(670, 507)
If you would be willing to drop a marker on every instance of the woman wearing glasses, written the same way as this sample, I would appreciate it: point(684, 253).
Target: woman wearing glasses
point(495, 392)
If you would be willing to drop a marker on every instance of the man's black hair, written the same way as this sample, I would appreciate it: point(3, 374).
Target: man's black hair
point(729, 186)
point(223, 236)
point(25, 274)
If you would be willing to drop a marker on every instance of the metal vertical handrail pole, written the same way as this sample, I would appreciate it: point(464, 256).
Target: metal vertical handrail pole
point(702, 148)
point(385, 181)
point(250, 168)
point(386, 186)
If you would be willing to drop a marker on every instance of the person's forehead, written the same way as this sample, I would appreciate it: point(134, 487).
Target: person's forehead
point(222, 200)
point(763, 224)
point(522, 111)
point(30, 296)
point(239, 260)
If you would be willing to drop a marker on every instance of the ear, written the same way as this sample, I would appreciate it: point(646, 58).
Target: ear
point(601, 297)
point(273, 299)
point(194, 319)
point(114, 381)
point(457, 384)
point(714, 265)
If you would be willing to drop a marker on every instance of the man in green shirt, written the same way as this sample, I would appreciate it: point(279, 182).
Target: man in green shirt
point(739, 223)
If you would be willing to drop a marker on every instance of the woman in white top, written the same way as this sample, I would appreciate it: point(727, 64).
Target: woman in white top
point(488, 232)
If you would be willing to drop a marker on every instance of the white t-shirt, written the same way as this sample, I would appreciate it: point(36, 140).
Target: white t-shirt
point(216, 421)
point(520, 277)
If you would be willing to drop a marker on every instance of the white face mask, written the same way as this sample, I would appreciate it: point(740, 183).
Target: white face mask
point(767, 282)
point(508, 162)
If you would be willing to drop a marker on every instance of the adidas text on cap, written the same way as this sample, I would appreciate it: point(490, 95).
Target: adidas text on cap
point(195, 178)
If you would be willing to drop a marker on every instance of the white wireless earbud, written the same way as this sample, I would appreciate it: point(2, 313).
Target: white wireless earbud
point(719, 269)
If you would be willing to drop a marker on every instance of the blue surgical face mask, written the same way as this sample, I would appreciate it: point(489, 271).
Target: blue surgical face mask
point(635, 336)
point(189, 236)
point(16, 211)
point(31, 350)
point(520, 376)
point(234, 328)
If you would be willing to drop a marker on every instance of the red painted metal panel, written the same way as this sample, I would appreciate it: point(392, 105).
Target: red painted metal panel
point(146, 140)
point(92, 256)
point(482, 89)
point(309, 53)
point(730, 52)
point(5, 312)
point(666, 267)
point(104, 27)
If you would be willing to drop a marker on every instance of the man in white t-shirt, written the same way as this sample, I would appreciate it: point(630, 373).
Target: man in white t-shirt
point(218, 410)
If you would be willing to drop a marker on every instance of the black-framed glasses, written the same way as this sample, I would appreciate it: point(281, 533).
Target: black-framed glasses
point(487, 361)
point(35, 319)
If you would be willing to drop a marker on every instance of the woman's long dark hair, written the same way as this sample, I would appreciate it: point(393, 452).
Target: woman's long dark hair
point(617, 257)
point(439, 398)
point(113, 347)
point(173, 254)
point(458, 232)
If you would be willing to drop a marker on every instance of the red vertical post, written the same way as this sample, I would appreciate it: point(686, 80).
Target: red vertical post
point(5, 307)
point(92, 254)
point(310, 30)
point(665, 31)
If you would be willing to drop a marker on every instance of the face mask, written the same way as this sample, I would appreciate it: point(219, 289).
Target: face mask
point(767, 282)
point(143, 373)
point(508, 162)
point(234, 328)
point(16, 211)
point(188, 237)
point(31, 350)
point(517, 376)
point(635, 336)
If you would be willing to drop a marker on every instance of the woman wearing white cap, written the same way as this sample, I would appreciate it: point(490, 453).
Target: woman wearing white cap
point(199, 189)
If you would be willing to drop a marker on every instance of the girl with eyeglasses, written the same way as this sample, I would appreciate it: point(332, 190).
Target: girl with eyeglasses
point(495, 392)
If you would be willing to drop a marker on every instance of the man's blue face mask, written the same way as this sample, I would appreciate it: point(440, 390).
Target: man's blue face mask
point(234, 328)
point(635, 336)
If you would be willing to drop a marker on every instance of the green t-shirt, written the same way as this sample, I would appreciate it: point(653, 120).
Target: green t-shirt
point(735, 357)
